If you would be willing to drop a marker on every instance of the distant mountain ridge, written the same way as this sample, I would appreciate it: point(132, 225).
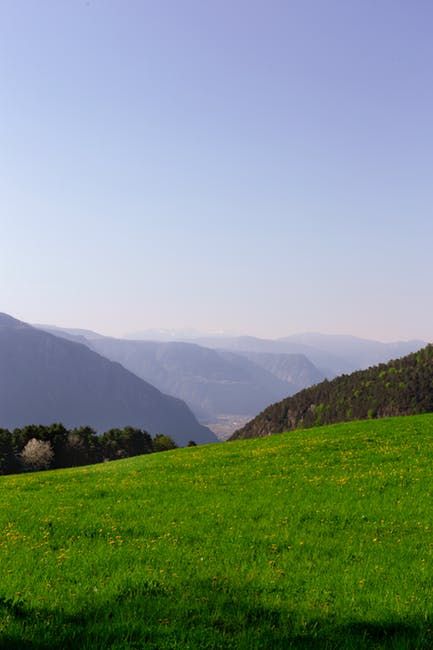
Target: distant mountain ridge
point(331, 354)
point(164, 335)
point(400, 387)
point(357, 352)
point(328, 364)
point(228, 380)
point(295, 369)
point(46, 378)
point(215, 383)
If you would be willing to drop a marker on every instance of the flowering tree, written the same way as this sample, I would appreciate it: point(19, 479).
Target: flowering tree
point(37, 454)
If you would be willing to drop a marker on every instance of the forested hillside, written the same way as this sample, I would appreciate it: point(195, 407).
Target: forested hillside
point(400, 387)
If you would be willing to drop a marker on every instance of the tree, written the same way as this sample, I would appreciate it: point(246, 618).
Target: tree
point(162, 442)
point(191, 443)
point(83, 447)
point(8, 462)
point(56, 434)
point(121, 443)
point(37, 454)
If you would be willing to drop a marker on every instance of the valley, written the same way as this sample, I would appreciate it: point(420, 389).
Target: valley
point(227, 381)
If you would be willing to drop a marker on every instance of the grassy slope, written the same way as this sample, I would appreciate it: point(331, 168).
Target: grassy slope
point(320, 538)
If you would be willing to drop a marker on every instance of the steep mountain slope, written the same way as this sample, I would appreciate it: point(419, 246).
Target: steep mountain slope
point(296, 369)
point(213, 383)
point(71, 333)
point(359, 353)
point(44, 378)
point(401, 387)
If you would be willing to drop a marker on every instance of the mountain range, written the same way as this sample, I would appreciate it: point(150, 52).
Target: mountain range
point(332, 355)
point(45, 379)
point(227, 380)
point(357, 353)
point(215, 383)
point(78, 376)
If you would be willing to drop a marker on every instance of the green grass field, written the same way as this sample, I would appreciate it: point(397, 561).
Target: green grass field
point(315, 539)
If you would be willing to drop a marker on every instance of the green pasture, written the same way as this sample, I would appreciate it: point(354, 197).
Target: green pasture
point(321, 538)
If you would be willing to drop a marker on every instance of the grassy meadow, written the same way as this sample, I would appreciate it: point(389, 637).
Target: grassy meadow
point(320, 538)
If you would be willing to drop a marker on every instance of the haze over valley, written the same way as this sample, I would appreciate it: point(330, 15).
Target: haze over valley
point(228, 380)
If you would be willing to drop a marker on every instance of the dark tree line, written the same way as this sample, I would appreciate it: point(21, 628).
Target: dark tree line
point(400, 387)
point(50, 447)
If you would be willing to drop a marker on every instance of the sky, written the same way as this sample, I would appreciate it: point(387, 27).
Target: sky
point(255, 166)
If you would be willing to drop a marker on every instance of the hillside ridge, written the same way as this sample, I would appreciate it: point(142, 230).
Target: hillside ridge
point(400, 387)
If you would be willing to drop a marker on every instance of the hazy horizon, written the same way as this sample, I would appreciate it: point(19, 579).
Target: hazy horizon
point(257, 167)
point(193, 333)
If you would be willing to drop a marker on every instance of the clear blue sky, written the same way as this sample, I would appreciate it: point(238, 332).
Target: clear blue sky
point(265, 167)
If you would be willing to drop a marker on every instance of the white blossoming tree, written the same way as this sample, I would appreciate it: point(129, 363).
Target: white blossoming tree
point(37, 454)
